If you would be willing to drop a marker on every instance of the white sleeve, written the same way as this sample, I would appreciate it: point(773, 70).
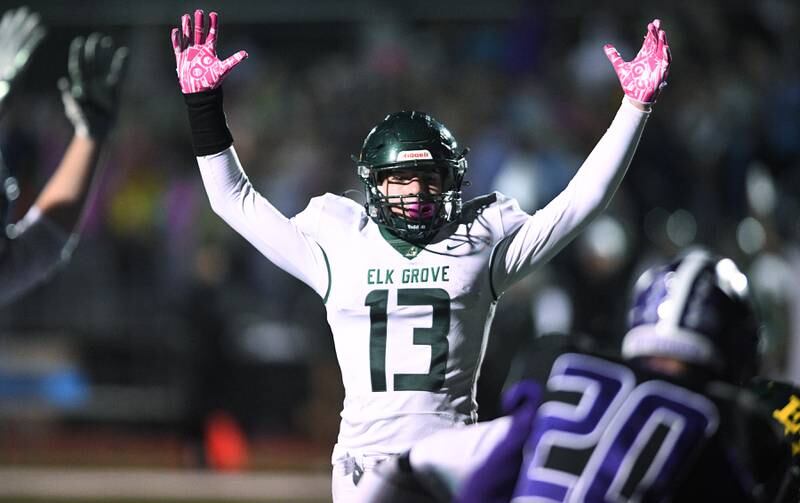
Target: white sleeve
point(278, 238)
point(440, 464)
point(547, 231)
point(36, 249)
point(450, 456)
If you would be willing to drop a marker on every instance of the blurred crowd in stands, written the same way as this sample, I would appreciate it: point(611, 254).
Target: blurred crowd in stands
point(165, 301)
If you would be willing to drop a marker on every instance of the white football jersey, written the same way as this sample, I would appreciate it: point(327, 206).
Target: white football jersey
point(410, 323)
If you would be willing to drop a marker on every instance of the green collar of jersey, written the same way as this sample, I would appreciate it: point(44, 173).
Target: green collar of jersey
point(403, 247)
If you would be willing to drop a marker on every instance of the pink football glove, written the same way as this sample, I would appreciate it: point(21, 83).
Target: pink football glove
point(644, 77)
point(199, 68)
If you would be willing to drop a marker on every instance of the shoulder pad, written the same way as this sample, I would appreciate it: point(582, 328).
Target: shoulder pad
point(329, 209)
point(337, 206)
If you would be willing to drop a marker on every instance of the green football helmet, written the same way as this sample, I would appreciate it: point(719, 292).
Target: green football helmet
point(412, 141)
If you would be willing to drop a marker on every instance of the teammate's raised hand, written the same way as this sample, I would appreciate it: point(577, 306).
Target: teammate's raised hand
point(644, 76)
point(20, 33)
point(199, 68)
point(91, 92)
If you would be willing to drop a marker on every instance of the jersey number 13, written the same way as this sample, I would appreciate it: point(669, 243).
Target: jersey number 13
point(434, 336)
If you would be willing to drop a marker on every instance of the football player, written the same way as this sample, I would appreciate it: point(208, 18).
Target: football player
point(410, 279)
point(671, 421)
point(45, 237)
point(782, 402)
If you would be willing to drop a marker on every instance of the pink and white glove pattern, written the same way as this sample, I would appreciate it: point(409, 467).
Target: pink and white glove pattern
point(199, 68)
point(645, 76)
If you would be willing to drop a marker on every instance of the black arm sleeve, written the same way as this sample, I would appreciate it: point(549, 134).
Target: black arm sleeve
point(210, 133)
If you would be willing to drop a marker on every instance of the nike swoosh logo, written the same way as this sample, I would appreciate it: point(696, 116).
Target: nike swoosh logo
point(453, 247)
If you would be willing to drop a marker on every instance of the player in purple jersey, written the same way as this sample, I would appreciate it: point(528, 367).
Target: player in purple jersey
point(673, 420)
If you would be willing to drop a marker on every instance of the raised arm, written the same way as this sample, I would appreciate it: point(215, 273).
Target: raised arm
point(546, 232)
point(21, 32)
point(91, 100)
point(47, 233)
point(200, 74)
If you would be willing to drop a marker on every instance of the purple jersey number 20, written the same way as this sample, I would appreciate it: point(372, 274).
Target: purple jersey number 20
point(615, 420)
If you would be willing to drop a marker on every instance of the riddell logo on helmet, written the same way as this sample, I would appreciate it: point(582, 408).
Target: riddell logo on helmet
point(413, 155)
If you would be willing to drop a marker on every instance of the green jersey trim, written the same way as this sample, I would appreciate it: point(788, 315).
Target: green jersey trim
point(401, 246)
point(491, 272)
point(492, 259)
point(328, 267)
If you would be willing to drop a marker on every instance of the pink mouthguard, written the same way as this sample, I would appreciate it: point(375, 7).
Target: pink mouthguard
point(424, 211)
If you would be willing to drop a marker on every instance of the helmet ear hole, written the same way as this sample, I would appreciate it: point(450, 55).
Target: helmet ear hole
point(363, 172)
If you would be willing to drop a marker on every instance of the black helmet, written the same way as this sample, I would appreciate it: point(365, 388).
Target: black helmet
point(696, 309)
point(418, 142)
